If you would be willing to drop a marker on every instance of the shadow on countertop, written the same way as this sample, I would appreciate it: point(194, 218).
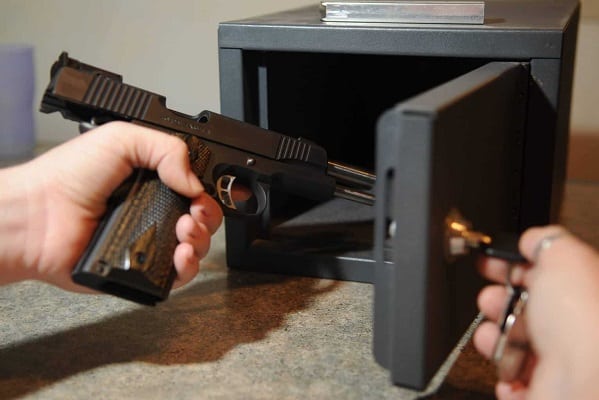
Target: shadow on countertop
point(211, 317)
point(199, 325)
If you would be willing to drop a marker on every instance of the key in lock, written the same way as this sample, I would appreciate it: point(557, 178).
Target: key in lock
point(512, 350)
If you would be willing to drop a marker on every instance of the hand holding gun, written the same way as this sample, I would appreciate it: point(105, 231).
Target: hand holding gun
point(130, 254)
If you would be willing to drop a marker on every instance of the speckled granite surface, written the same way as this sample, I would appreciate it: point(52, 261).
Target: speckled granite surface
point(229, 335)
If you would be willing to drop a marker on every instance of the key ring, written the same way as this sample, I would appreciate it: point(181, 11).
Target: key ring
point(512, 349)
point(544, 244)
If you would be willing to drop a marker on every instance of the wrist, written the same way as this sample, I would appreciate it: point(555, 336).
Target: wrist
point(15, 261)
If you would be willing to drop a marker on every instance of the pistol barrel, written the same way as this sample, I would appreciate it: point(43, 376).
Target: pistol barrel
point(352, 183)
point(358, 196)
point(350, 175)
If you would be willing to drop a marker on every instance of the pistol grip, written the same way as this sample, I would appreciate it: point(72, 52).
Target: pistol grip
point(131, 252)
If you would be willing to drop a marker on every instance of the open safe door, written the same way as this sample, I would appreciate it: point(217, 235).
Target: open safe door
point(456, 147)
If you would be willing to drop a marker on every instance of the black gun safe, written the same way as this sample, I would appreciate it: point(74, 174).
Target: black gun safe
point(471, 118)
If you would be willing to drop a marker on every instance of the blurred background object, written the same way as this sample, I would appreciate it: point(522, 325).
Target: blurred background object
point(17, 130)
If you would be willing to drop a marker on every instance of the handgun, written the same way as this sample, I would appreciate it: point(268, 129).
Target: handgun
point(130, 254)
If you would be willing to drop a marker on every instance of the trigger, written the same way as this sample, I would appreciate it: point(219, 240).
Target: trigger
point(224, 186)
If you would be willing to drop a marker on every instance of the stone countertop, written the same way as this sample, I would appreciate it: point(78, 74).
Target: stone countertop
point(229, 334)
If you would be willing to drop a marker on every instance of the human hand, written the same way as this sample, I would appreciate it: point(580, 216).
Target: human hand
point(52, 205)
point(561, 319)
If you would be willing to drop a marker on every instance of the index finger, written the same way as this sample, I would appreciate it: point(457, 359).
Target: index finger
point(497, 270)
point(493, 269)
point(554, 247)
point(535, 241)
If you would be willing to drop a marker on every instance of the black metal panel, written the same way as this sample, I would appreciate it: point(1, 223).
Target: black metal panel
point(458, 146)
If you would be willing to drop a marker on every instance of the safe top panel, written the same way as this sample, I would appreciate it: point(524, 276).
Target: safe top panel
point(514, 29)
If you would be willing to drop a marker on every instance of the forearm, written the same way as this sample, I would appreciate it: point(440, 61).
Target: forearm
point(14, 215)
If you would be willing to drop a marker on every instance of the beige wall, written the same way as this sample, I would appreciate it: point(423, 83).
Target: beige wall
point(170, 47)
point(590, 8)
point(585, 102)
point(583, 159)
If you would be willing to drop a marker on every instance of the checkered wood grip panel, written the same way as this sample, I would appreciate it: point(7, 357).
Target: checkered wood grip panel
point(133, 248)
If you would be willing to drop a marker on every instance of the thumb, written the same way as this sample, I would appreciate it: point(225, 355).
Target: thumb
point(155, 150)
